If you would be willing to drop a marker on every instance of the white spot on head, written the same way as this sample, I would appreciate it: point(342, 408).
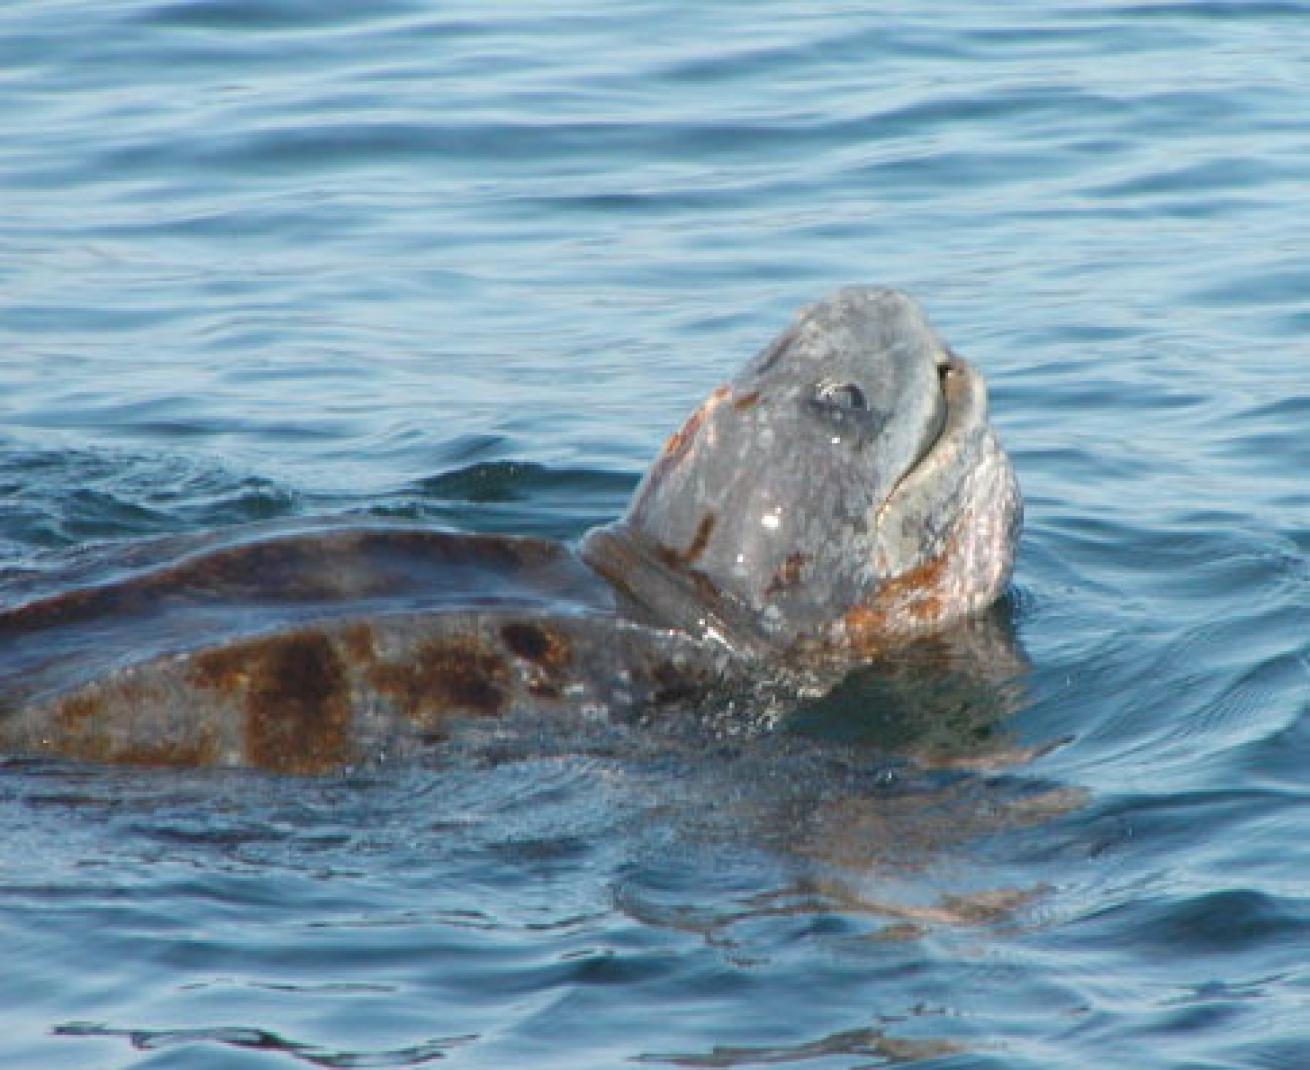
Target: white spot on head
point(772, 521)
point(718, 637)
point(836, 440)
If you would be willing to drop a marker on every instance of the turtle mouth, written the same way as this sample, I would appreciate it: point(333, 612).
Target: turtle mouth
point(956, 379)
point(964, 417)
point(959, 381)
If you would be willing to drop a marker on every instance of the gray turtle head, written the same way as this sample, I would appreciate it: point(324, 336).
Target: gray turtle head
point(844, 490)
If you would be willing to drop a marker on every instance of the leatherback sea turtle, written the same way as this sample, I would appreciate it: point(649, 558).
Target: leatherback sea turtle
point(842, 495)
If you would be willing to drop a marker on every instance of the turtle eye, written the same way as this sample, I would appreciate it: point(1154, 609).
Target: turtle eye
point(841, 396)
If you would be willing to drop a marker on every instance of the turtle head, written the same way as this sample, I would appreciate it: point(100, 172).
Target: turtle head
point(844, 491)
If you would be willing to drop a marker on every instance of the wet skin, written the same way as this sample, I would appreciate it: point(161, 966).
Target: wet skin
point(843, 491)
point(842, 495)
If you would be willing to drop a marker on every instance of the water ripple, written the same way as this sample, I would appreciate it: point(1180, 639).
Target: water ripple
point(193, 1042)
point(268, 262)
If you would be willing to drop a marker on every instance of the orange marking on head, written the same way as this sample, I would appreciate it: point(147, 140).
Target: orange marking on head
point(788, 574)
point(676, 444)
point(912, 603)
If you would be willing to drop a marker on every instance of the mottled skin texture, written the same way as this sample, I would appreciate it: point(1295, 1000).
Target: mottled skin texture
point(842, 495)
point(843, 491)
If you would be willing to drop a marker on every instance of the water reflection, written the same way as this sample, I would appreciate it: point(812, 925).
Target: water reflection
point(943, 700)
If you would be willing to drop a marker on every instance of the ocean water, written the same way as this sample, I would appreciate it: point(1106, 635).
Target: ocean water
point(464, 265)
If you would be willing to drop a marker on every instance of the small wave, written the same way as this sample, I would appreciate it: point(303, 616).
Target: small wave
point(507, 481)
point(248, 1038)
point(522, 497)
point(59, 498)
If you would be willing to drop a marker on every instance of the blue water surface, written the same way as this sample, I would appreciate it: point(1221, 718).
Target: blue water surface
point(465, 264)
